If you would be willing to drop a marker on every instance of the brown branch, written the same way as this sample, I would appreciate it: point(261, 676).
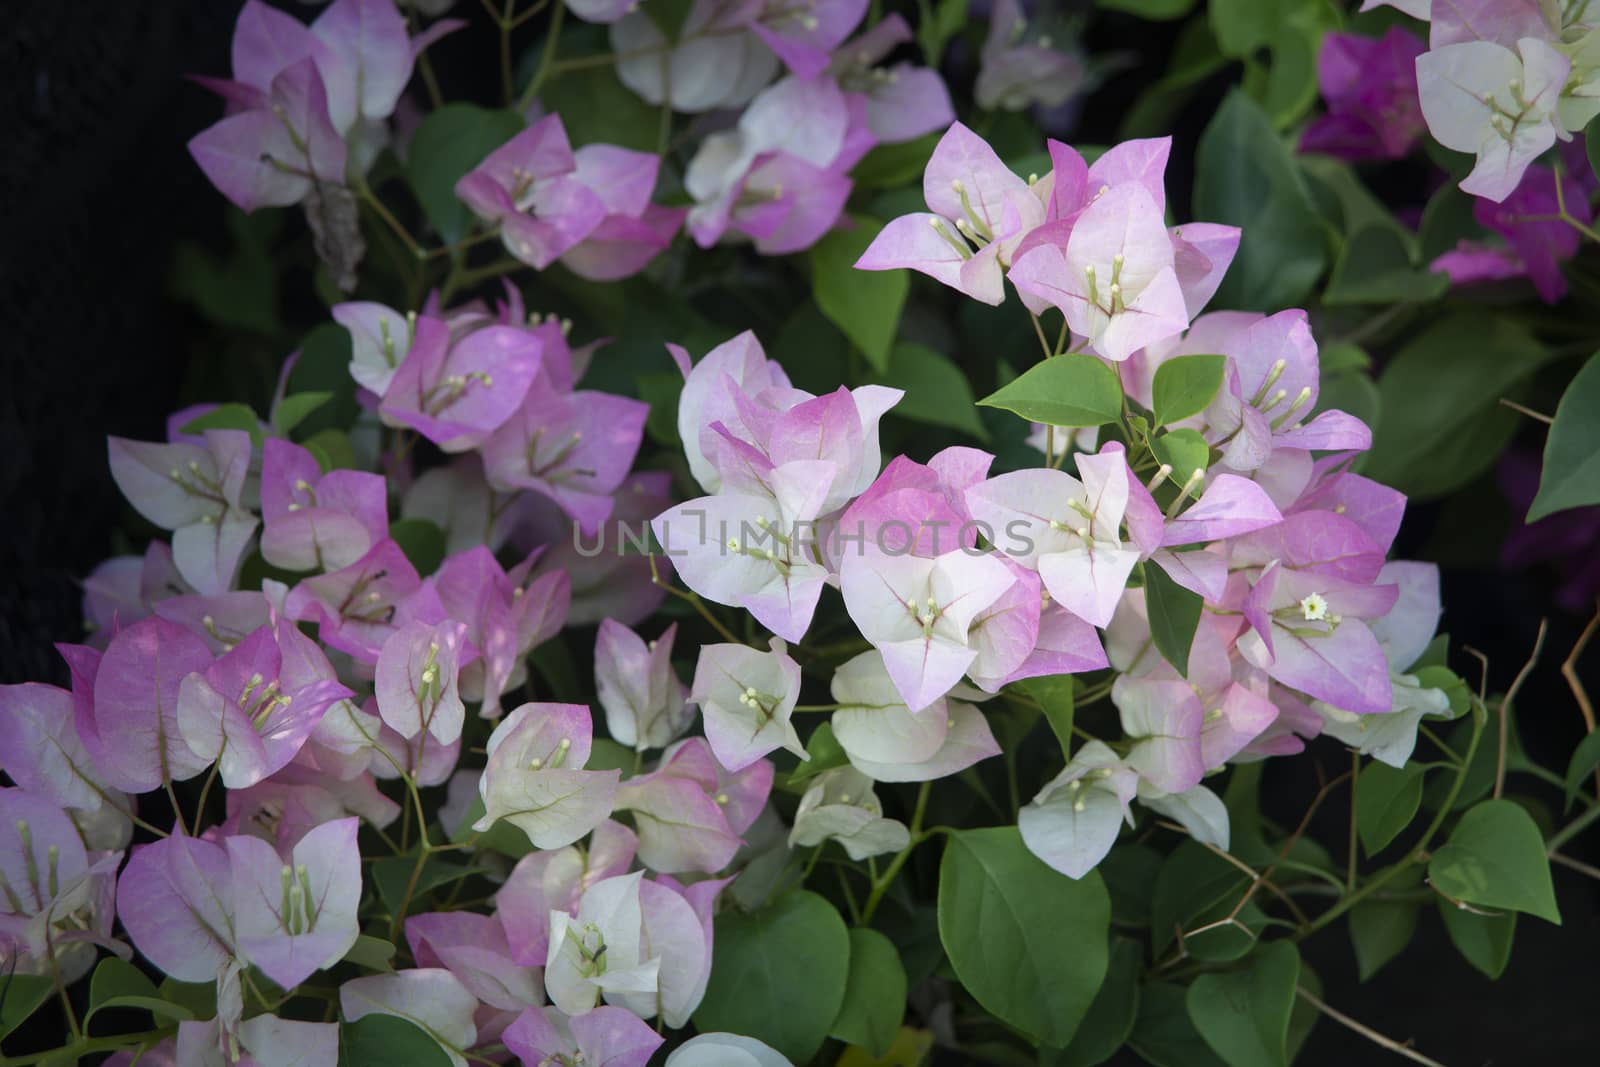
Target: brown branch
point(1505, 708)
point(1365, 1031)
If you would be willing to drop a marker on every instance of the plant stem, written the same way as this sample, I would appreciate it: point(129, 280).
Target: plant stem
point(880, 885)
point(546, 60)
point(1365, 1031)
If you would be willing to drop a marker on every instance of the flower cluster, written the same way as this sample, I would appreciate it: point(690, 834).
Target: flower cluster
point(964, 581)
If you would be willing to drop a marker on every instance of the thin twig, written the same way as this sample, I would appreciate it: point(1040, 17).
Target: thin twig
point(1569, 671)
point(1505, 709)
point(1521, 410)
point(1365, 1031)
point(1577, 865)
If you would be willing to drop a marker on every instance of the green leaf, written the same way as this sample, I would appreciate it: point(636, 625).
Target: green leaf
point(232, 416)
point(596, 107)
point(1111, 1016)
point(1485, 940)
point(1246, 177)
point(422, 541)
point(1185, 451)
point(1447, 382)
point(1495, 858)
point(1027, 942)
point(1386, 801)
point(865, 304)
point(1591, 147)
point(779, 974)
point(242, 290)
point(450, 142)
point(936, 390)
point(661, 392)
point(372, 953)
point(332, 449)
point(874, 994)
point(1585, 758)
point(1244, 1015)
point(1380, 929)
point(1055, 695)
point(826, 754)
point(889, 166)
point(1163, 1034)
point(1150, 10)
point(1374, 267)
point(1570, 477)
point(291, 411)
point(392, 874)
point(1174, 616)
point(1185, 386)
point(117, 983)
point(949, 17)
point(199, 999)
point(1069, 390)
point(20, 997)
point(1242, 26)
point(1196, 887)
point(1447, 682)
point(323, 366)
point(387, 1040)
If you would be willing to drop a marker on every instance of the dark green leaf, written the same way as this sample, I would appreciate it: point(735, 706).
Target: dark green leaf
point(198, 998)
point(1446, 222)
point(1174, 616)
point(1591, 146)
point(372, 953)
point(422, 541)
point(874, 994)
point(332, 450)
point(228, 417)
point(865, 304)
point(387, 1040)
point(1068, 390)
point(1386, 801)
point(1196, 887)
point(1163, 1034)
point(117, 983)
point(1111, 1016)
point(291, 411)
point(1571, 474)
point(661, 392)
point(1185, 451)
point(1242, 26)
point(1495, 858)
point(779, 974)
point(596, 107)
point(1054, 694)
point(1585, 758)
point(936, 390)
point(889, 166)
point(450, 142)
point(826, 753)
point(392, 874)
point(1244, 1015)
point(1027, 942)
point(1186, 385)
point(20, 997)
point(1150, 10)
point(1485, 940)
point(1247, 178)
point(1375, 268)
point(1448, 382)
point(242, 290)
point(949, 16)
point(1381, 928)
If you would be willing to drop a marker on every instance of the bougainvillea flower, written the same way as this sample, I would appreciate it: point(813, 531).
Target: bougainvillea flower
point(888, 742)
point(614, 1037)
point(678, 935)
point(1498, 104)
point(40, 749)
point(535, 778)
point(1370, 88)
point(980, 212)
point(729, 1049)
point(194, 490)
point(716, 62)
point(528, 187)
point(295, 918)
point(637, 688)
point(709, 387)
point(380, 337)
point(474, 948)
point(130, 726)
point(355, 606)
point(1537, 241)
point(507, 616)
point(903, 101)
point(416, 680)
point(1020, 66)
point(575, 448)
point(1483, 20)
point(1197, 810)
point(839, 805)
point(264, 1041)
point(553, 880)
point(917, 613)
point(1067, 530)
point(599, 951)
point(1201, 255)
point(316, 521)
point(805, 35)
point(967, 740)
point(746, 697)
point(633, 230)
point(689, 811)
point(430, 998)
point(1115, 279)
point(1307, 631)
point(1074, 820)
point(247, 714)
point(457, 394)
point(174, 903)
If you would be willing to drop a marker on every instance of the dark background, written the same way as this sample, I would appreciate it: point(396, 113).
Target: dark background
point(97, 192)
